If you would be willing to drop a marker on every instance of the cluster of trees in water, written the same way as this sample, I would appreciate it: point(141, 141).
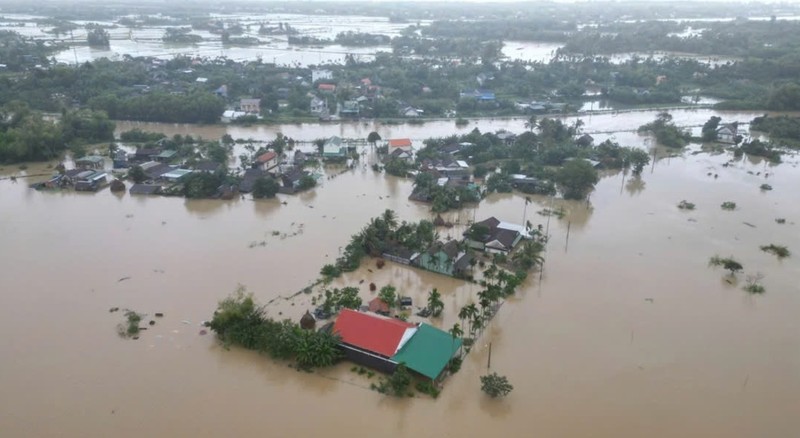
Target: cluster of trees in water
point(26, 135)
point(240, 321)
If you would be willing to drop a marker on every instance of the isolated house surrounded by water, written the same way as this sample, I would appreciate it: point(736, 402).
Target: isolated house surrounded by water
point(382, 343)
point(334, 148)
point(371, 340)
point(727, 133)
point(499, 236)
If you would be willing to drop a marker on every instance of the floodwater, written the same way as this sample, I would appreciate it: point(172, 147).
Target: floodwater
point(628, 333)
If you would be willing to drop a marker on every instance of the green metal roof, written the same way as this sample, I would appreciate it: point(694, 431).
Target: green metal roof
point(166, 154)
point(428, 351)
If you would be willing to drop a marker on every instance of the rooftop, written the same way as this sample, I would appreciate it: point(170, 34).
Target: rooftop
point(373, 333)
point(428, 351)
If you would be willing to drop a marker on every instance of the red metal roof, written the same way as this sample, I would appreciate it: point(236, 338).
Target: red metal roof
point(266, 157)
point(370, 332)
point(399, 142)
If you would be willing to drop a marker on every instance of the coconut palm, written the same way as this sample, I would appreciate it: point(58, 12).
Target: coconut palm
point(530, 124)
point(435, 304)
point(456, 333)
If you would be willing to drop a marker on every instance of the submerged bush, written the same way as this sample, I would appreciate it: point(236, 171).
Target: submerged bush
point(686, 205)
point(728, 205)
point(779, 251)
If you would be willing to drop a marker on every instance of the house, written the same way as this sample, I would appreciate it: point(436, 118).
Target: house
point(222, 91)
point(267, 161)
point(153, 169)
point(90, 181)
point(349, 108)
point(175, 175)
point(250, 106)
point(120, 160)
point(399, 254)
point(728, 133)
point(480, 95)
point(164, 156)
point(506, 137)
point(445, 258)
point(321, 75)
point(145, 189)
point(290, 179)
point(400, 154)
point(493, 235)
point(249, 179)
point(145, 154)
point(410, 112)
point(231, 115)
point(370, 339)
point(399, 143)
point(429, 351)
point(91, 162)
point(207, 166)
point(334, 148)
point(319, 107)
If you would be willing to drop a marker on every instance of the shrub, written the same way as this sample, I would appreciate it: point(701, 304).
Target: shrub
point(728, 205)
point(686, 205)
point(779, 251)
point(495, 385)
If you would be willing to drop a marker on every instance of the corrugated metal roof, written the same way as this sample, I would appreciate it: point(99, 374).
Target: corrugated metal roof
point(373, 333)
point(428, 351)
point(400, 142)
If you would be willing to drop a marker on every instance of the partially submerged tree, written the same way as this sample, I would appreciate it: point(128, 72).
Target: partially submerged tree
point(779, 251)
point(728, 263)
point(577, 178)
point(435, 304)
point(495, 385)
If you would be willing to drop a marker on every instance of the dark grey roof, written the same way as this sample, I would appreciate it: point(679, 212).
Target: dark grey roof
point(506, 237)
point(145, 189)
point(157, 170)
point(249, 179)
point(207, 166)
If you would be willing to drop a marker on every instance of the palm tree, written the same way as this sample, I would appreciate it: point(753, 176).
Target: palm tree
point(463, 314)
point(435, 304)
point(456, 333)
point(530, 124)
point(390, 219)
point(471, 313)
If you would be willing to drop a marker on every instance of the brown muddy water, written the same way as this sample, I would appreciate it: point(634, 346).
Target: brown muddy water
point(628, 334)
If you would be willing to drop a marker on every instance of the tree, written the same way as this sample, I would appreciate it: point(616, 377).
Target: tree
point(307, 182)
point(316, 349)
point(577, 178)
point(98, 37)
point(265, 187)
point(388, 294)
point(435, 304)
point(399, 381)
point(529, 255)
point(373, 138)
point(728, 263)
point(637, 159)
point(495, 385)
point(710, 129)
point(136, 173)
point(530, 124)
point(455, 332)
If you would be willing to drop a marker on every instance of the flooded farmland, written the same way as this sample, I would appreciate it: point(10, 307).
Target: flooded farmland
point(628, 333)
